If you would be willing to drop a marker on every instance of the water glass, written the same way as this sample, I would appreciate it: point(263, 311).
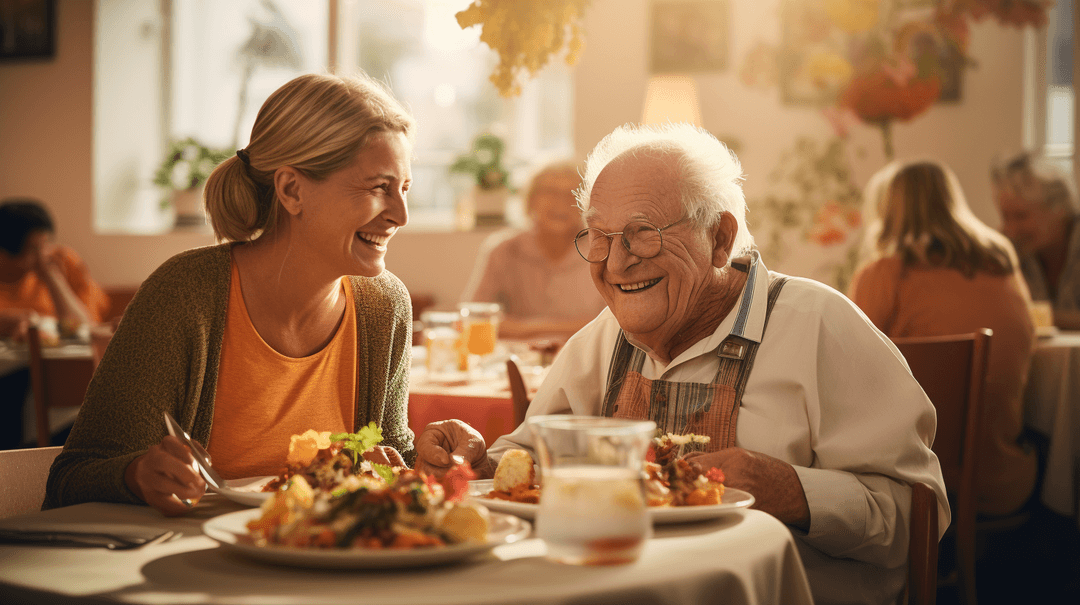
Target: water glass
point(442, 339)
point(592, 504)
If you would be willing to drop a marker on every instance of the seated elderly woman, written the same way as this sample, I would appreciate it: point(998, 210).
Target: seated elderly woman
point(808, 406)
point(290, 325)
point(543, 287)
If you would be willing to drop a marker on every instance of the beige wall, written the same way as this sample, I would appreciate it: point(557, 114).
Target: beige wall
point(46, 132)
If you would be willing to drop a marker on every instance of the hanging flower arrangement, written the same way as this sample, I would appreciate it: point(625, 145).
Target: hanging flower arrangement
point(526, 35)
point(882, 61)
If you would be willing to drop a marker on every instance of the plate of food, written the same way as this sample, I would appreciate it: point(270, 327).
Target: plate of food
point(676, 490)
point(323, 459)
point(412, 522)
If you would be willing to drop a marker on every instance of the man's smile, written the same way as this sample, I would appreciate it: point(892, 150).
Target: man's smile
point(640, 286)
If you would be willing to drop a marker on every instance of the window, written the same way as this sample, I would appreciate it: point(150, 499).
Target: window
point(173, 69)
point(1059, 81)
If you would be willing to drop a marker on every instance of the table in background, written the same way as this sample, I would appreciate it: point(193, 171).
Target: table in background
point(745, 557)
point(483, 404)
point(481, 399)
point(15, 356)
point(1052, 407)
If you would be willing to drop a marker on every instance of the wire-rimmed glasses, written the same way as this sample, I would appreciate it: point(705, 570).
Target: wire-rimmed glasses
point(640, 238)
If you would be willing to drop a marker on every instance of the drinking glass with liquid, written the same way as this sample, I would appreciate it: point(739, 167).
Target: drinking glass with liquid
point(592, 504)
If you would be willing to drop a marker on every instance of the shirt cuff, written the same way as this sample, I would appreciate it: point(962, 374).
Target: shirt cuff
point(838, 509)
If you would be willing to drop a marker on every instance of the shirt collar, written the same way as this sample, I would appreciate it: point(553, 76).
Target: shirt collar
point(746, 320)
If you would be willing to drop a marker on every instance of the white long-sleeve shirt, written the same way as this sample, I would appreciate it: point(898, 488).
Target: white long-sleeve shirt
point(829, 394)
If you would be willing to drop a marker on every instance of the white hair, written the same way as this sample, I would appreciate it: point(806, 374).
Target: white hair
point(707, 173)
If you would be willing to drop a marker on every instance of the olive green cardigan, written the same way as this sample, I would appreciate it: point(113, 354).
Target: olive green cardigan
point(165, 357)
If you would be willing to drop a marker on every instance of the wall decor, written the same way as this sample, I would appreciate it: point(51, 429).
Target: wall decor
point(689, 36)
point(27, 29)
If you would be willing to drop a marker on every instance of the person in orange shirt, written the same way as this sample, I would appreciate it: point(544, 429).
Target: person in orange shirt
point(39, 277)
point(932, 269)
point(289, 324)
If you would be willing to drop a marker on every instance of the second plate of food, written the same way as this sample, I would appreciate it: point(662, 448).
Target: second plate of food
point(733, 500)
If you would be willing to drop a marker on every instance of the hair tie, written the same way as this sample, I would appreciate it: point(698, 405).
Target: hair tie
point(243, 155)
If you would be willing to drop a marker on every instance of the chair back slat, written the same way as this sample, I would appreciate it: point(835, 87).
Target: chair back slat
point(56, 383)
point(518, 394)
point(923, 553)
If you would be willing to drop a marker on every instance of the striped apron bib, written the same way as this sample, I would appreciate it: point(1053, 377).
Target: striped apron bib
point(688, 407)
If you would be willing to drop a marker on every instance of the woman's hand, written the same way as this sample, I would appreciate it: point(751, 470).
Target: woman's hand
point(166, 476)
point(385, 455)
point(447, 443)
point(773, 482)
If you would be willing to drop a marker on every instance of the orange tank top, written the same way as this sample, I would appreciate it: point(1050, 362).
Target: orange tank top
point(264, 397)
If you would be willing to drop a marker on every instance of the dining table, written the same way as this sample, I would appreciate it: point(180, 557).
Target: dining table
point(743, 557)
point(1052, 408)
point(480, 398)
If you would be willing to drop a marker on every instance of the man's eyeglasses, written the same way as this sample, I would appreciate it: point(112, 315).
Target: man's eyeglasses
point(640, 238)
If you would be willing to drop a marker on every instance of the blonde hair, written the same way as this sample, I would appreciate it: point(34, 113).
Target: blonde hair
point(708, 174)
point(566, 167)
point(316, 123)
point(920, 214)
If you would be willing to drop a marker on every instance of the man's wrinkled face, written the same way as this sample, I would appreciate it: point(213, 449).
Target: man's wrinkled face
point(652, 298)
point(1028, 224)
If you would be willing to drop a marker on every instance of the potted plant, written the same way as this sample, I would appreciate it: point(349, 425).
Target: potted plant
point(183, 174)
point(487, 198)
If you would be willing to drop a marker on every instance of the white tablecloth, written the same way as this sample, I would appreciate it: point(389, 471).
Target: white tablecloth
point(747, 557)
point(1052, 407)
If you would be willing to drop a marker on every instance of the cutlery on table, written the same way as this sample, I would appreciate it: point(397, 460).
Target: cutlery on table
point(202, 458)
point(81, 539)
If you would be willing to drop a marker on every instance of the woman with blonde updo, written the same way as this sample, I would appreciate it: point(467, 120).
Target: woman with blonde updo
point(933, 269)
point(290, 324)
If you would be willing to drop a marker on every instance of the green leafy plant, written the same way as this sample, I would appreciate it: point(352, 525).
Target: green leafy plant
point(484, 163)
point(188, 164)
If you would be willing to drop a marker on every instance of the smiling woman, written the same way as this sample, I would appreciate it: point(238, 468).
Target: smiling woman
point(290, 324)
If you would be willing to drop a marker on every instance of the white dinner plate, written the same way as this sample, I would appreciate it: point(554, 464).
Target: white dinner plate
point(231, 531)
point(246, 491)
point(733, 500)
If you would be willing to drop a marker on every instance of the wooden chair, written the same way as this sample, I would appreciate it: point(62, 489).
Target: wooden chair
point(923, 548)
point(518, 393)
point(952, 371)
point(24, 475)
point(56, 383)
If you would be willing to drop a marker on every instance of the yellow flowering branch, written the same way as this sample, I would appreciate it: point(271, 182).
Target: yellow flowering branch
point(526, 34)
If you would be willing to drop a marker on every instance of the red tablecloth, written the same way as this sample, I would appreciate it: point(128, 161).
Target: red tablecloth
point(484, 405)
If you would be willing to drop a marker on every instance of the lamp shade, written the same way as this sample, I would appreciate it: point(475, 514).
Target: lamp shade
point(671, 99)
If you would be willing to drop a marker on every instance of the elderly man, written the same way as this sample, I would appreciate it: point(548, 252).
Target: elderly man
point(1038, 213)
point(808, 406)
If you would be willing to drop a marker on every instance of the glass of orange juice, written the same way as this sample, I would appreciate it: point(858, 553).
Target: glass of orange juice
point(479, 327)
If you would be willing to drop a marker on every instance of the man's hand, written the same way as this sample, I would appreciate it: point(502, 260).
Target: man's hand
point(773, 482)
point(447, 443)
point(385, 455)
point(166, 477)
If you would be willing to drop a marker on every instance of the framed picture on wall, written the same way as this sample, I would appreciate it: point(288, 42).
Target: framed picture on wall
point(689, 36)
point(27, 29)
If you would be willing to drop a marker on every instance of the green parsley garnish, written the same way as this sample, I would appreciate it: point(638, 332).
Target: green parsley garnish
point(359, 442)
